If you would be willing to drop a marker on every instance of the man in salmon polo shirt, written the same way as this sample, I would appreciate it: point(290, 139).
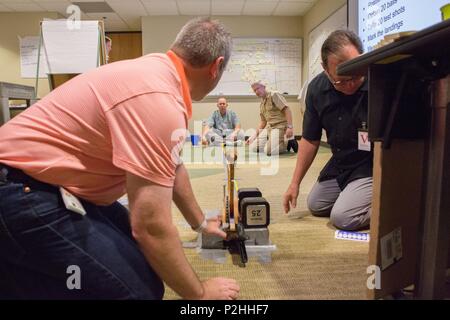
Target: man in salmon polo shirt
point(66, 160)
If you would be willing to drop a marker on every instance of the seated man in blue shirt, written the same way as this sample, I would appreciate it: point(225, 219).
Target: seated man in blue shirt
point(222, 123)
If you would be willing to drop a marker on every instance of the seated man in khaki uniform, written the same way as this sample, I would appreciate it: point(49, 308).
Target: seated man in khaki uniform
point(275, 127)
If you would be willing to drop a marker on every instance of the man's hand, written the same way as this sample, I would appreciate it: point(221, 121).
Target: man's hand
point(204, 141)
point(290, 198)
point(250, 140)
point(220, 289)
point(213, 228)
point(289, 133)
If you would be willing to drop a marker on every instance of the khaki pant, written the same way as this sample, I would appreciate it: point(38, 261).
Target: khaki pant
point(271, 140)
point(348, 209)
point(217, 136)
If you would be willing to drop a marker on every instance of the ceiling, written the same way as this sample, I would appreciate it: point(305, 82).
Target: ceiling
point(124, 15)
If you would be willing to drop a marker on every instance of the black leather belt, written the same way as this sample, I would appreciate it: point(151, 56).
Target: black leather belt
point(3, 175)
point(7, 173)
point(10, 174)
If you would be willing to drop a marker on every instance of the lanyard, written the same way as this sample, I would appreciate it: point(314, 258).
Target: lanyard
point(358, 105)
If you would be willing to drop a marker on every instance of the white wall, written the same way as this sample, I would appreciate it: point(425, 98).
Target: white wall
point(321, 10)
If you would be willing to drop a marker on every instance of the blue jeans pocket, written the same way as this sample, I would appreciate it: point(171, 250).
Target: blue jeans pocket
point(10, 209)
point(46, 205)
point(24, 209)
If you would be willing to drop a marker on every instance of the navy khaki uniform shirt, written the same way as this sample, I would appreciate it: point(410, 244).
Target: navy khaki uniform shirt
point(271, 110)
point(341, 116)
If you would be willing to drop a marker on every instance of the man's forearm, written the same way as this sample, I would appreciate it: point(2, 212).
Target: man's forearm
point(164, 252)
point(184, 198)
point(237, 128)
point(262, 126)
point(288, 114)
point(307, 151)
point(157, 236)
point(205, 130)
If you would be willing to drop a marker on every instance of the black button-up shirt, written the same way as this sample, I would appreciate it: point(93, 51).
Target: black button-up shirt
point(342, 117)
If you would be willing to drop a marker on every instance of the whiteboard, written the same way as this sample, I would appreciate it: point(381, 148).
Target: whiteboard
point(275, 62)
point(71, 50)
point(338, 20)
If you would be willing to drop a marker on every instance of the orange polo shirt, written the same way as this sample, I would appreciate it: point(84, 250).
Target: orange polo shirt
point(128, 116)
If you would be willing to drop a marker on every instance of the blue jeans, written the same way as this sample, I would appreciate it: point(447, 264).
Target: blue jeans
point(40, 240)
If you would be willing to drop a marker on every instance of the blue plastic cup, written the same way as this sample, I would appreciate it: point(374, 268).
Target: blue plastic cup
point(195, 140)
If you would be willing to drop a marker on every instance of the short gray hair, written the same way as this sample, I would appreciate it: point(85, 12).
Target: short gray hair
point(258, 84)
point(337, 40)
point(201, 41)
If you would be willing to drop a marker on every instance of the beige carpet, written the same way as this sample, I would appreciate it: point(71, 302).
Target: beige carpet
point(308, 262)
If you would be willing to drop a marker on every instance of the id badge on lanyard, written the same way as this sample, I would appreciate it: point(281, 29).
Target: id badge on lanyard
point(363, 133)
point(363, 139)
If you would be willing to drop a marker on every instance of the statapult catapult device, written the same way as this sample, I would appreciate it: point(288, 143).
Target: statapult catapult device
point(245, 217)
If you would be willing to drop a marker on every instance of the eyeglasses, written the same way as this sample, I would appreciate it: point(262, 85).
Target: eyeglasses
point(344, 82)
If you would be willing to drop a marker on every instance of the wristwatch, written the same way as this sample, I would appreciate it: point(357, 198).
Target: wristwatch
point(289, 126)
